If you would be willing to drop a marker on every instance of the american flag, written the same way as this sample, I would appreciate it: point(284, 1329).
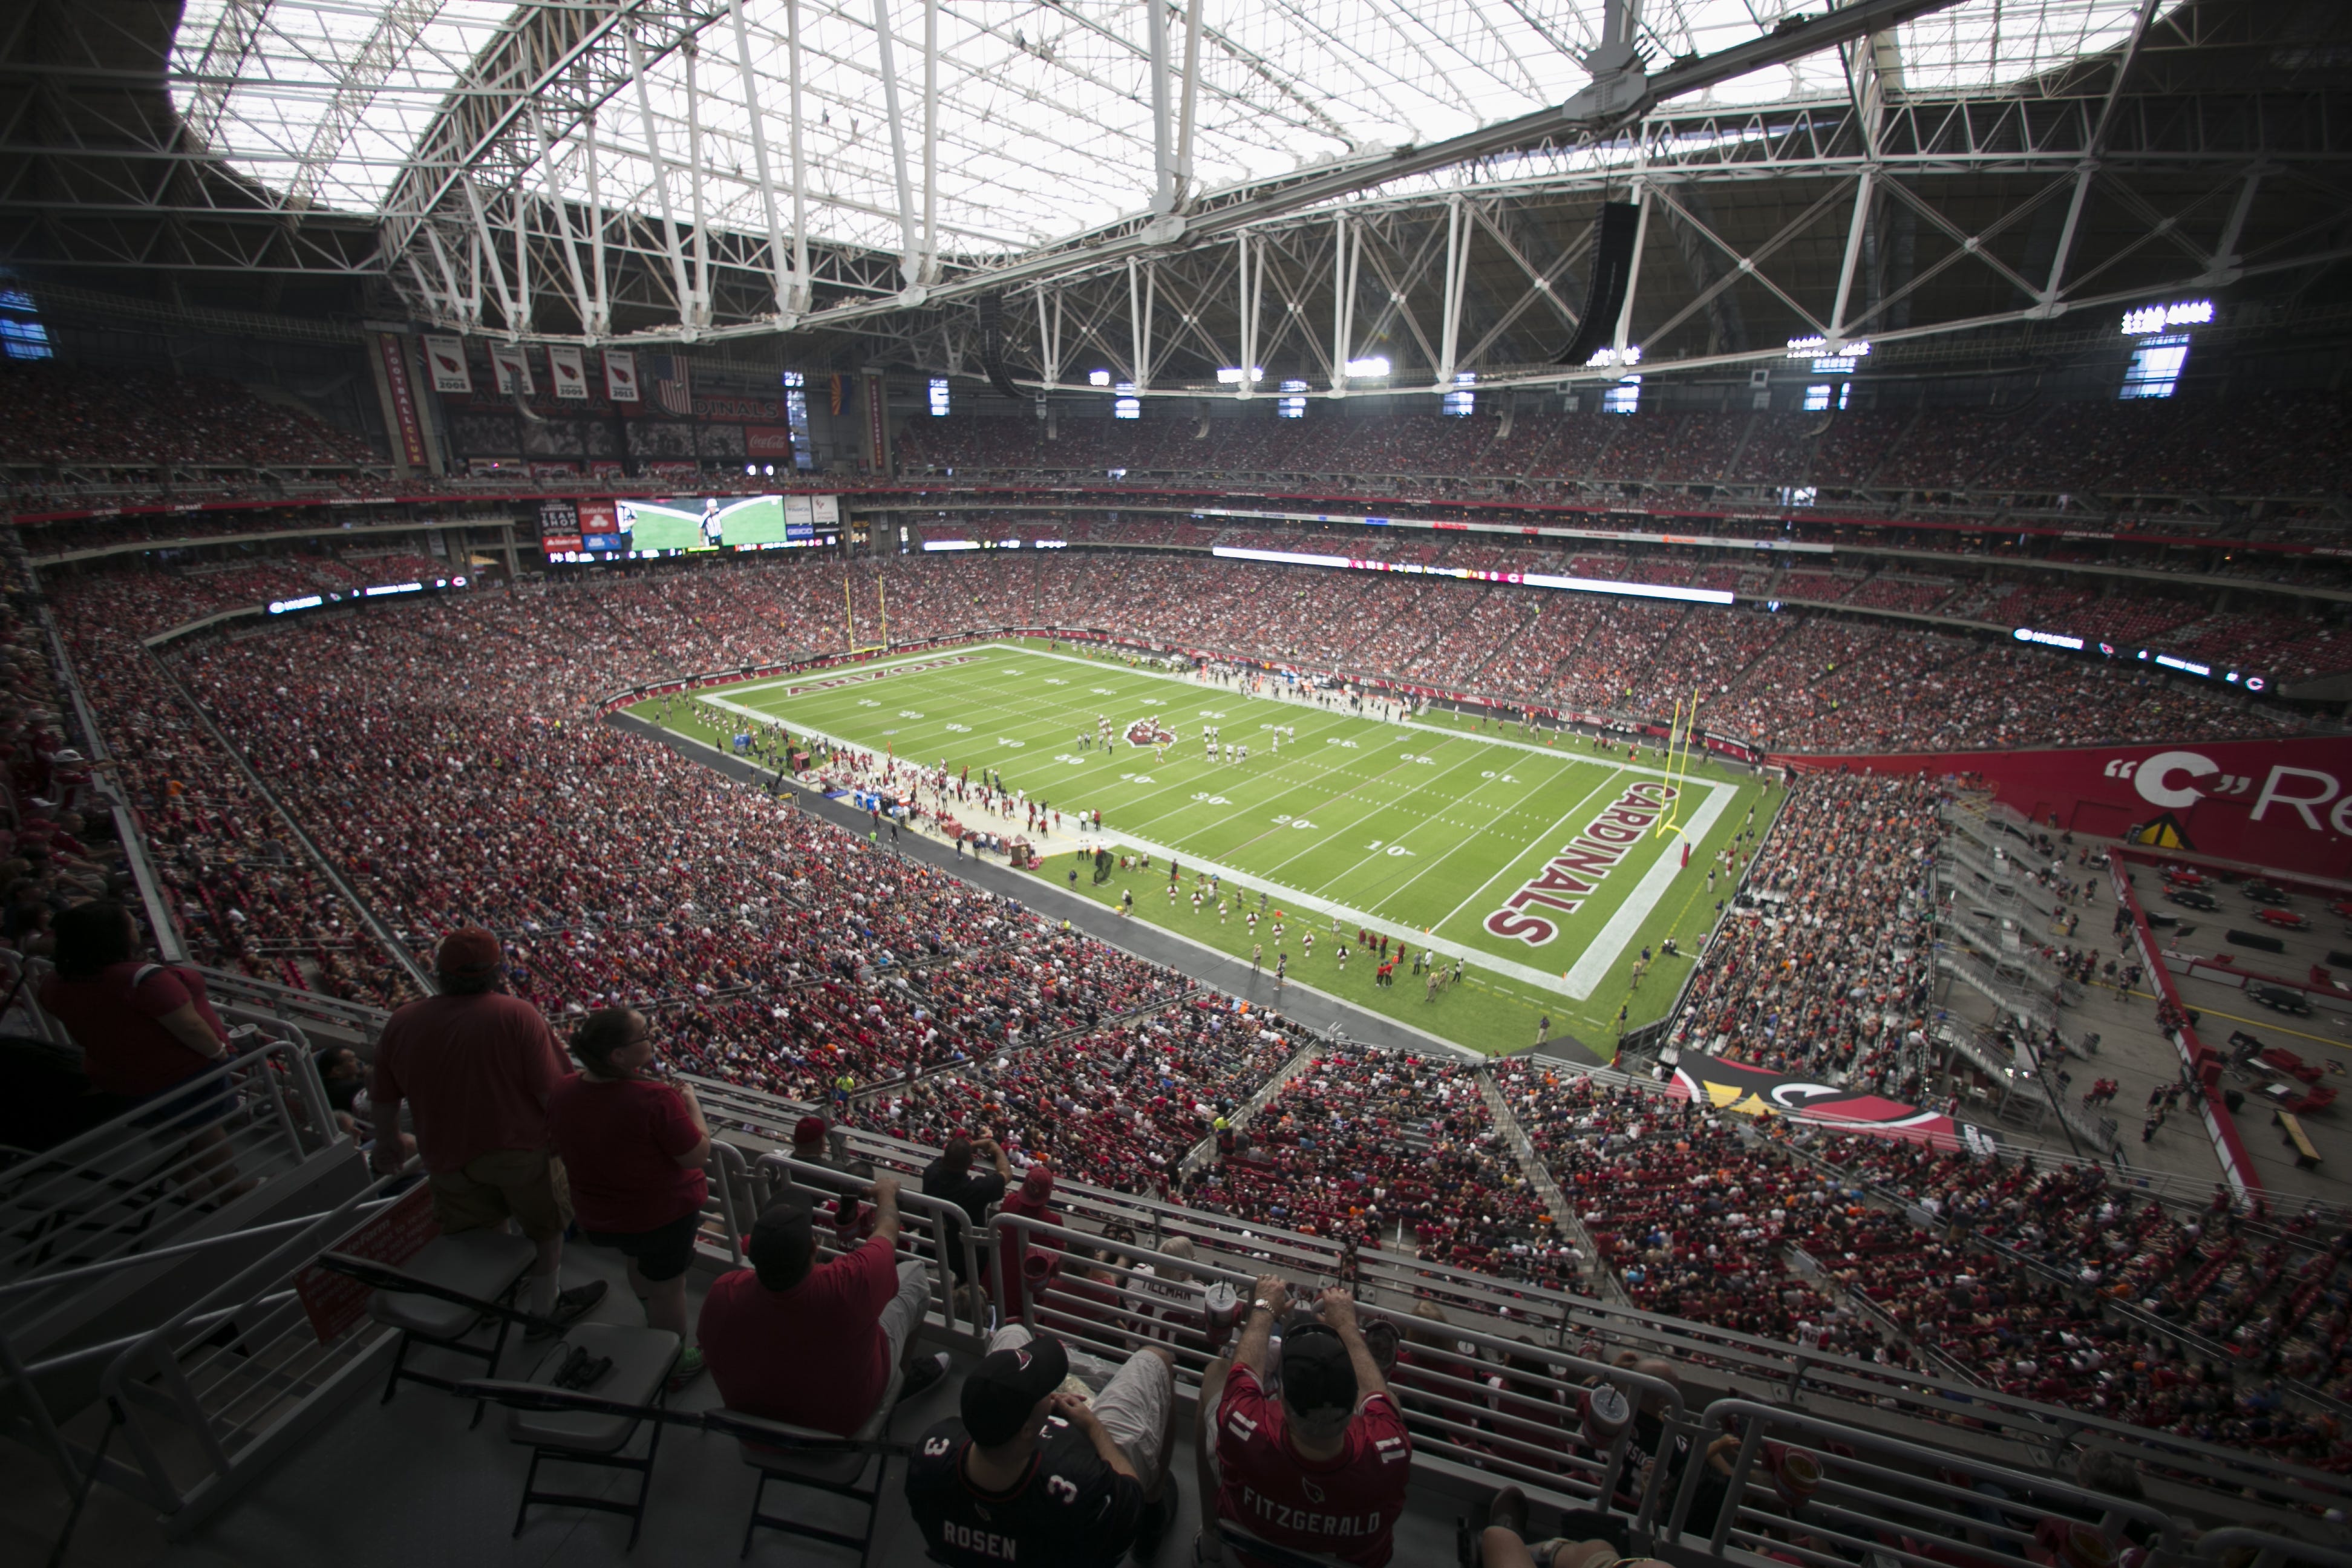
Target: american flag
point(672, 388)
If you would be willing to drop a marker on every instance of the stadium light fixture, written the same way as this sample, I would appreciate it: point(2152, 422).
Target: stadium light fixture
point(1097, 378)
point(1604, 358)
point(2150, 319)
point(1370, 368)
point(1819, 348)
point(1231, 374)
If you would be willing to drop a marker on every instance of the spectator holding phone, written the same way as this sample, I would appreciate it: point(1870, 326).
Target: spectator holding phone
point(1321, 1468)
point(634, 1147)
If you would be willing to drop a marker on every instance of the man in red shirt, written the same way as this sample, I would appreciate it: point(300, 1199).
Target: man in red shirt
point(814, 1346)
point(1324, 1468)
point(477, 1068)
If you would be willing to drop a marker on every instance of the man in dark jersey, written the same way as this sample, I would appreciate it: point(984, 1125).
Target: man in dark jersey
point(1324, 1466)
point(1033, 1473)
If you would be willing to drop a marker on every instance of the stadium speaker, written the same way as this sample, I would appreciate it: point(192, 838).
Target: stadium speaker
point(991, 347)
point(1612, 268)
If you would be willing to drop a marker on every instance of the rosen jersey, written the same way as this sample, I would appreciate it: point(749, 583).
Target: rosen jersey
point(1068, 1510)
point(1346, 1505)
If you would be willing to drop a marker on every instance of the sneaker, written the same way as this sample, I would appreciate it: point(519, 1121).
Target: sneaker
point(689, 1368)
point(1208, 1546)
point(1152, 1524)
point(1509, 1510)
point(570, 1306)
point(922, 1375)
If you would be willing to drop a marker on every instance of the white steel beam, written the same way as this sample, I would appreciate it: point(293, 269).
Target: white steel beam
point(1643, 194)
point(1190, 97)
point(661, 177)
point(804, 295)
point(697, 313)
point(930, 263)
point(779, 261)
point(1163, 156)
point(1863, 190)
point(487, 247)
point(2089, 166)
point(521, 321)
point(910, 251)
point(1458, 257)
point(568, 244)
point(2224, 268)
point(600, 317)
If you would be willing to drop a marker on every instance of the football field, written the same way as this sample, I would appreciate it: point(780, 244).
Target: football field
point(1546, 867)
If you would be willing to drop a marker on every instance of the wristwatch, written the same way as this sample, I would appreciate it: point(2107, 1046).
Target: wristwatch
point(1261, 1301)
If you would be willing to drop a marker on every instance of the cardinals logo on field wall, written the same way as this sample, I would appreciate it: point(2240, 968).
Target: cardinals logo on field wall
point(1150, 733)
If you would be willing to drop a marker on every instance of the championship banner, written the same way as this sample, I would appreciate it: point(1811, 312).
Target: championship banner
point(878, 423)
point(402, 397)
point(446, 356)
point(565, 370)
point(620, 375)
point(512, 369)
point(1728, 1085)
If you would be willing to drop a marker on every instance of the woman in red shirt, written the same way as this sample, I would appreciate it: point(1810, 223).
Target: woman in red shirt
point(633, 1149)
point(144, 1028)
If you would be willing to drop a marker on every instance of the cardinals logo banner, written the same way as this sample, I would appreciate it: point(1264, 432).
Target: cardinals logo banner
point(513, 369)
point(1729, 1085)
point(446, 357)
point(569, 376)
point(620, 375)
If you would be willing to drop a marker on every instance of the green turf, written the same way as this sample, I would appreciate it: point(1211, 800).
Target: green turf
point(1419, 829)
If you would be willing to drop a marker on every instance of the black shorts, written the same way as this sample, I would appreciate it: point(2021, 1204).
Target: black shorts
point(662, 1253)
point(185, 1110)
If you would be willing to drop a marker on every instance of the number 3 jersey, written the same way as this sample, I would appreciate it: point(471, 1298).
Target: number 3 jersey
point(1068, 1510)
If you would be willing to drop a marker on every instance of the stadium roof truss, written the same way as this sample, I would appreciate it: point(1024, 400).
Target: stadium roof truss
point(1163, 188)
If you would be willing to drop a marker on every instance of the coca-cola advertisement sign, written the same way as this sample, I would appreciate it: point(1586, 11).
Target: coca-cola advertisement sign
point(2285, 804)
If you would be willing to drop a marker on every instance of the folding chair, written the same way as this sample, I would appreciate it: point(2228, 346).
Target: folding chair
point(441, 1293)
point(590, 1425)
point(820, 1461)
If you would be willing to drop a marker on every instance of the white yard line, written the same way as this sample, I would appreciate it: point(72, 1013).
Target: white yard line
point(1599, 956)
point(1548, 835)
point(1600, 953)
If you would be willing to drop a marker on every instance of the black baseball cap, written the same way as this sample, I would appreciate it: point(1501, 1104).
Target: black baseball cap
point(782, 1243)
point(1318, 1377)
point(1006, 1386)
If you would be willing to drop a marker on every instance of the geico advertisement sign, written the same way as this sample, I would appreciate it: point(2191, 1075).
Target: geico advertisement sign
point(2175, 781)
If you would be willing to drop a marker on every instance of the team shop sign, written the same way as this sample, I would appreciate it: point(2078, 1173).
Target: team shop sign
point(1575, 874)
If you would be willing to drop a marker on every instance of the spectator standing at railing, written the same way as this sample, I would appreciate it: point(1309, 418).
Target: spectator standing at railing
point(477, 1066)
point(144, 1028)
point(633, 1150)
point(952, 1178)
point(814, 1345)
point(1324, 1466)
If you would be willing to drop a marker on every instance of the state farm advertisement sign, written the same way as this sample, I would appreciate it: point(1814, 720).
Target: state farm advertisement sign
point(2282, 803)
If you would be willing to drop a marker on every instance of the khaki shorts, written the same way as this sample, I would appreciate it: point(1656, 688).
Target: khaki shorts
point(1132, 1403)
point(527, 1184)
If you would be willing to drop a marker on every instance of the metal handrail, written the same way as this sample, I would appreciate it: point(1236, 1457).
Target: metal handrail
point(1520, 1431)
point(146, 1164)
